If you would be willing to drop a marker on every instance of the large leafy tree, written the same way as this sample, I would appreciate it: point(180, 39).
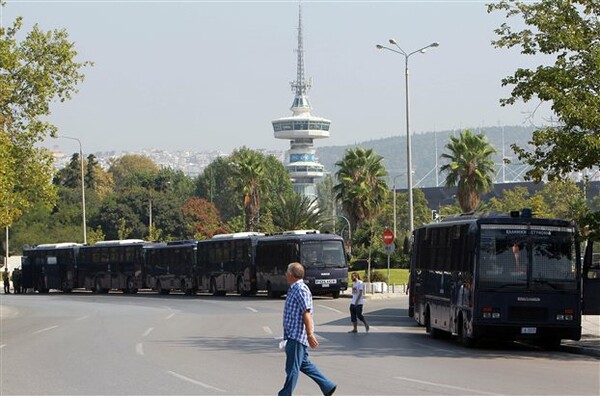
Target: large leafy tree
point(470, 168)
point(567, 31)
point(35, 71)
point(202, 218)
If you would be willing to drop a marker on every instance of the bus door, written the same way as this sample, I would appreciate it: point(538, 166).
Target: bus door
point(591, 279)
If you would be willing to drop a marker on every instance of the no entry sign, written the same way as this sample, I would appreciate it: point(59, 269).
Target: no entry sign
point(388, 237)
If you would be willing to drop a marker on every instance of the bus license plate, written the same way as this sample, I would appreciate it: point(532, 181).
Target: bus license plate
point(325, 282)
point(528, 330)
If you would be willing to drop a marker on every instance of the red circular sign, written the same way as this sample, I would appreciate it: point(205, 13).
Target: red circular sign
point(388, 237)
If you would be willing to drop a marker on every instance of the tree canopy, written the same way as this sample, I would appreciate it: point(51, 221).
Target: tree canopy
point(567, 31)
point(470, 167)
point(34, 72)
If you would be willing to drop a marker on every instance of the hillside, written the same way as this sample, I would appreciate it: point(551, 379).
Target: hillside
point(393, 150)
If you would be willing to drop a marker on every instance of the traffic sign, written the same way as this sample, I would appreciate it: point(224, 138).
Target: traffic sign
point(388, 237)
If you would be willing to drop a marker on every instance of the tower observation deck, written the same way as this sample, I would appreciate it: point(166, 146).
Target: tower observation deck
point(301, 128)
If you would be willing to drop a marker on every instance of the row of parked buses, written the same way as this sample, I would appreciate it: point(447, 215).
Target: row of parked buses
point(244, 263)
point(503, 277)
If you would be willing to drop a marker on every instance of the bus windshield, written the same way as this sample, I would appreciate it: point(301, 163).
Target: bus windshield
point(323, 254)
point(527, 257)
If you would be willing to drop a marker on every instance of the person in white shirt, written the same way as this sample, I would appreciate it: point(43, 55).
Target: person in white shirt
point(356, 305)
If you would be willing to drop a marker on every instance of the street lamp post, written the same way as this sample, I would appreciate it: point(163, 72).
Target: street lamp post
point(82, 186)
point(394, 203)
point(349, 229)
point(408, 140)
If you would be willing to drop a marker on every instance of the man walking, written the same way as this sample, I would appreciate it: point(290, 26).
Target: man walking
point(356, 305)
point(298, 333)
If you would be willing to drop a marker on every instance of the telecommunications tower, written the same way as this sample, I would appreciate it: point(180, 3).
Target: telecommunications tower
point(301, 128)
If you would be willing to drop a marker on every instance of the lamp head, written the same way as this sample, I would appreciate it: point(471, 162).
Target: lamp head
point(392, 41)
point(378, 46)
point(434, 44)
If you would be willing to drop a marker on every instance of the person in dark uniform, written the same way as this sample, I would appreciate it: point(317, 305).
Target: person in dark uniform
point(16, 279)
point(6, 279)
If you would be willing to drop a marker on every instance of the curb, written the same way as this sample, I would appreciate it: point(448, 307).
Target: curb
point(578, 350)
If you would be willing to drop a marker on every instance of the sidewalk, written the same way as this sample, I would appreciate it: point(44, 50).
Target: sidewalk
point(589, 344)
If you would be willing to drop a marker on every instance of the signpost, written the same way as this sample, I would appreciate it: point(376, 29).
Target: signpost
point(388, 240)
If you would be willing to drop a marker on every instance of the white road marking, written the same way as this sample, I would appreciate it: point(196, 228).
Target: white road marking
point(139, 349)
point(46, 329)
point(459, 388)
point(170, 316)
point(147, 332)
point(267, 330)
point(251, 309)
point(438, 349)
point(331, 309)
point(82, 318)
point(2, 346)
point(193, 381)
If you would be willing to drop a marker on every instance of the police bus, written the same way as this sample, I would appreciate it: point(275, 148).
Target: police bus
point(226, 263)
point(323, 256)
point(110, 265)
point(171, 266)
point(501, 277)
point(50, 266)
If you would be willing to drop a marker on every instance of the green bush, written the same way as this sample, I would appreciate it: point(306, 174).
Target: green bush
point(376, 277)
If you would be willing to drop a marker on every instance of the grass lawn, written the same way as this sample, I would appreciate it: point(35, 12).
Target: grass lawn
point(398, 276)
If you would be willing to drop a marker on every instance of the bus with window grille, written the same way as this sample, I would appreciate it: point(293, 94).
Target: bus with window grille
point(171, 266)
point(499, 277)
point(108, 265)
point(226, 263)
point(50, 266)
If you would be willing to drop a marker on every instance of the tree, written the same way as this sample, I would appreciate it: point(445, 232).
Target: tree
point(202, 218)
point(362, 189)
point(133, 169)
point(250, 180)
point(470, 167)
point(569, 32)
point(296, 212)
point(34, 72)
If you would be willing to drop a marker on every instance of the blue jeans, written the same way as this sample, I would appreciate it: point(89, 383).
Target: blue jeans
point(296, 361)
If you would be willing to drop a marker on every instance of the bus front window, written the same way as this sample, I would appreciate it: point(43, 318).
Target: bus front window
point(503, 259)
point(325, 254)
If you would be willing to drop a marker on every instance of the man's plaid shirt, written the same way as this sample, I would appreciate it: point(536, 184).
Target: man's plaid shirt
point(298, 301)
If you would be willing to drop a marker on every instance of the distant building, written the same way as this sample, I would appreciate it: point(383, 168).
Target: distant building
point(301, 129)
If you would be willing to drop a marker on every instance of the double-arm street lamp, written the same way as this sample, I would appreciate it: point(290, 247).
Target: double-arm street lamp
point(406, 55)
point(82, 185)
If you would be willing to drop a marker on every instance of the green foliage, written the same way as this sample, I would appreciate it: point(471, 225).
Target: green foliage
point(295, 212)
point(470, 168)
point(34, 72)
point(569, 32)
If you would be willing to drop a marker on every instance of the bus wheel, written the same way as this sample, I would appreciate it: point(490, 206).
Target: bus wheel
point(130, 286)
point(433, 332)
point(336, 294)
point(183, 286)
point(463, 338)
point(270, 291)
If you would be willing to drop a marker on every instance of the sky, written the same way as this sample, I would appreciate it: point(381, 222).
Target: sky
point(212, 75)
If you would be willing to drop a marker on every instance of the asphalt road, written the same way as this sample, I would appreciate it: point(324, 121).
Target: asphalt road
point(84, 344)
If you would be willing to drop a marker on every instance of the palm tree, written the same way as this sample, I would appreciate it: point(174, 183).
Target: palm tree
point(295, 212)
point(249, 173)
point(362, 189)
point(470, 168)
